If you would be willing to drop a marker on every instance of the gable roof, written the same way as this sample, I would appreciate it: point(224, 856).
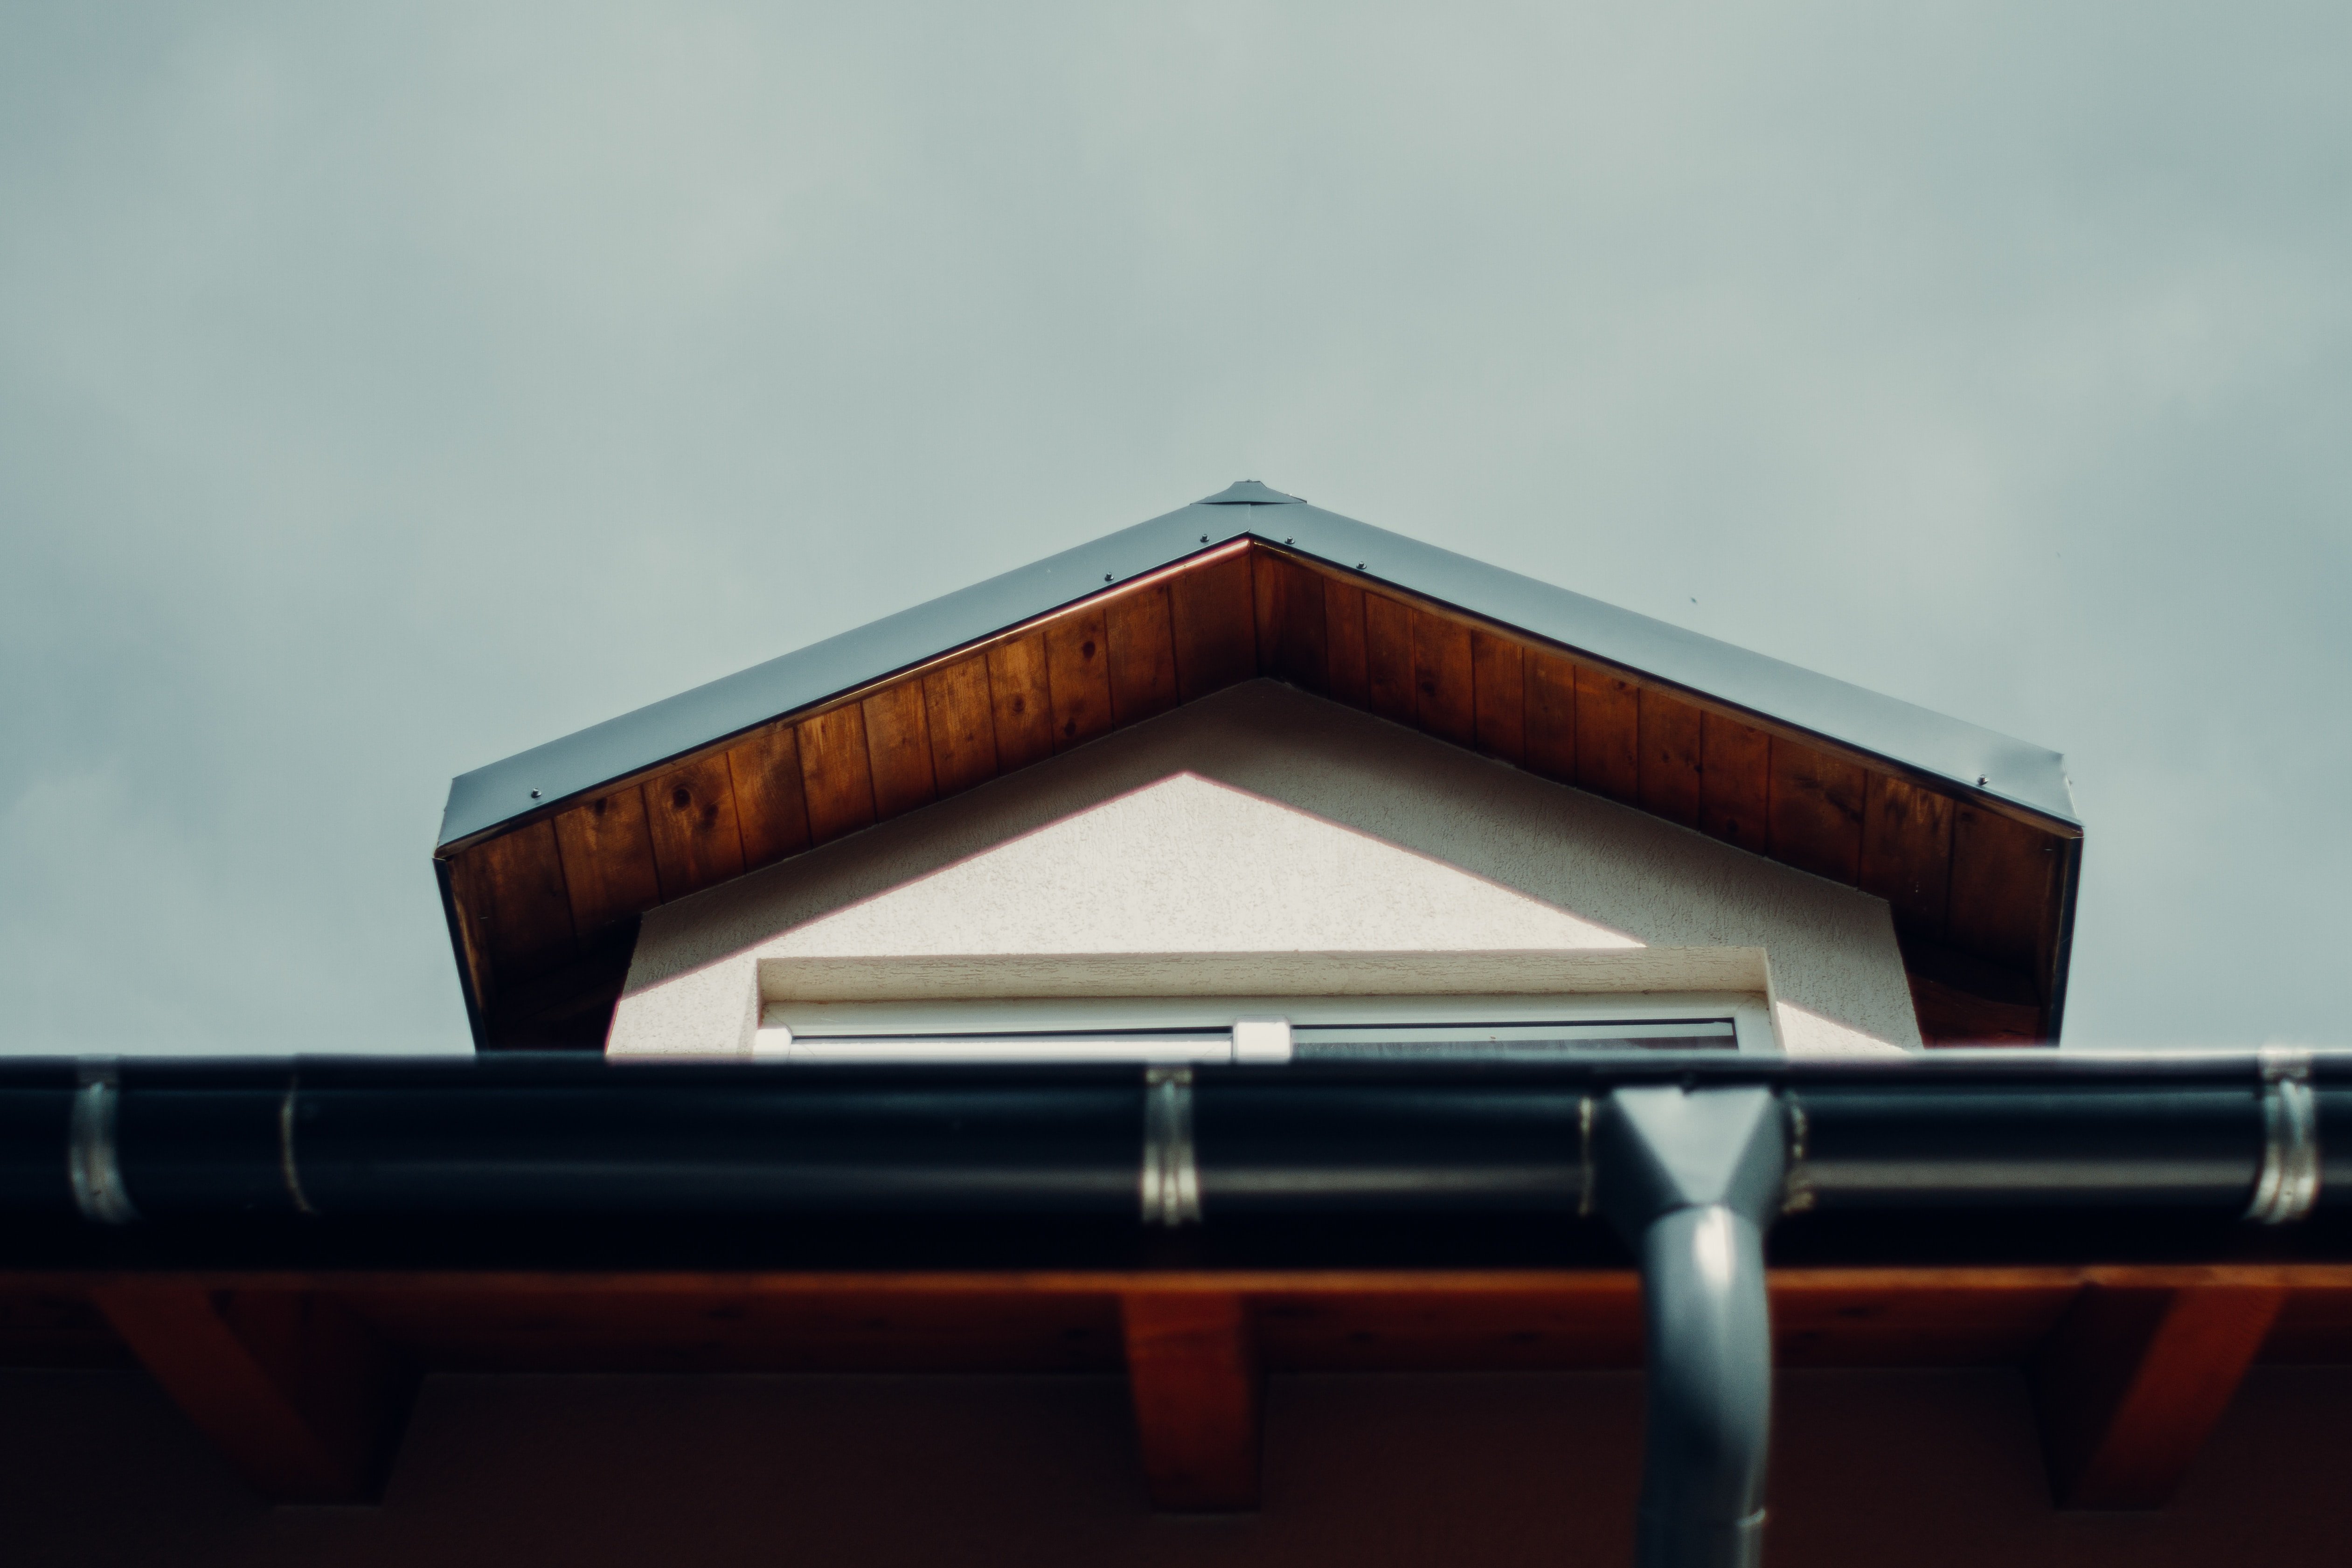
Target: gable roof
point(547, 856)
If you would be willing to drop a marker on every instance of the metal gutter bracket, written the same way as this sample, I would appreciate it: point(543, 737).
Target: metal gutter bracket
point(93, 1166)
point(1691, 1178)
point(2287, 1185)
point(1171, 1172)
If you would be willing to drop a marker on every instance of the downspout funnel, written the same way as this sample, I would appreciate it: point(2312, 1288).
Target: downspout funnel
point(1691, 1179)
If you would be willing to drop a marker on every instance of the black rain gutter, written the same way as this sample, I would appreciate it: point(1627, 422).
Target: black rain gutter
point(577, 1135)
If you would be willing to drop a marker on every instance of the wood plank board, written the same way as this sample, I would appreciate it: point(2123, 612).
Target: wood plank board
point(867, 1327)
point(513, 887)
point(1140, 632)
point(1350, 676)
point(2002, 876)
point(1215, 624)
point(2328, 1282)
point(1551, 716)
point(1388, 657)
point(1671, 753)
point(1445, 702)
point(837, 774)
point(1307, 1320)
point(771, 800)
point(2313, 1326)
point(1191, 1369)
point(2132, 1382)
point(963, 719)
point(607, 851)
point(1499, 684)
point(1415, 1330)
point(1023, 701)
point(1965, 1321)
point(1907, 852)
point(301, 1395)
point(1816, 811)
point(1608, 734)
point(691, 810)
point(1734, 782)
point(1078, 666)
point(1292, 635)
point(899, 743)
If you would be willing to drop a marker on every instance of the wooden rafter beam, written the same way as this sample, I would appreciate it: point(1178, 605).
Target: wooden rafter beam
point(2133, 1379)
point(301, 1395)
point(1191, 1365)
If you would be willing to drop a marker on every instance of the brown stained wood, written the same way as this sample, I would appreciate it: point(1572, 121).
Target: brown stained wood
point(2002, 876)
point(898, 741)
point(608, 859)
point(1965, 1318)
point(1305, 1319)
point(1388, 659)
point(2313, 1326)
point(1499, 696)
point(1445, 701)
point(1734, 782)
point(1293, 641)
point(1215, 624)
point(1889, 1281)
point(1951, 1014)
point(1816, 811)
point(303, 1399)
point(1343, 638)
point(1671, 753)
point(725, 1328)
point(1023, 701)
point(1192, 1367)
point(1907, 852)
point(2131, 1380)
point(568, 1007)
point(1372, 1330)
point(51, 1328)
point(1551, 716)
point(771, 800)
point(1078, 667)
point(837, 774)
point(1142, 640)
point(524, 914)
point(692, 812)
point(1608, 734)
point(962, 723)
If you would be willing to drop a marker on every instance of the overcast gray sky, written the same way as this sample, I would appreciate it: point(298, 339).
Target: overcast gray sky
point(383, 390)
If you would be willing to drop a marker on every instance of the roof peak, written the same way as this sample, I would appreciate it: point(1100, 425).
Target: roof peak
point(1249, 492)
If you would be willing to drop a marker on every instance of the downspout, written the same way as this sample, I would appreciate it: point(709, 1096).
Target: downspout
point(1691, 1178)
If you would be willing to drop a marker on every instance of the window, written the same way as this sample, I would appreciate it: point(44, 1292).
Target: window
point(1197, 1030)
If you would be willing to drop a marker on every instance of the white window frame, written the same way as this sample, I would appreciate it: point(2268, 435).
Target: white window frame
point(1074, 1018)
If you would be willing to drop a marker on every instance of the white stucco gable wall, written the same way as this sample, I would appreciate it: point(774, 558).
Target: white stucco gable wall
point(1189, 865)
point(1265, 820)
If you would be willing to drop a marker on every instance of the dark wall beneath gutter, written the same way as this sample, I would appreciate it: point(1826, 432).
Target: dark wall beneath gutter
point(1925, 1469)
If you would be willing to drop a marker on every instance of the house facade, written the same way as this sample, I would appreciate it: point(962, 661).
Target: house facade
point(1203, 1047)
